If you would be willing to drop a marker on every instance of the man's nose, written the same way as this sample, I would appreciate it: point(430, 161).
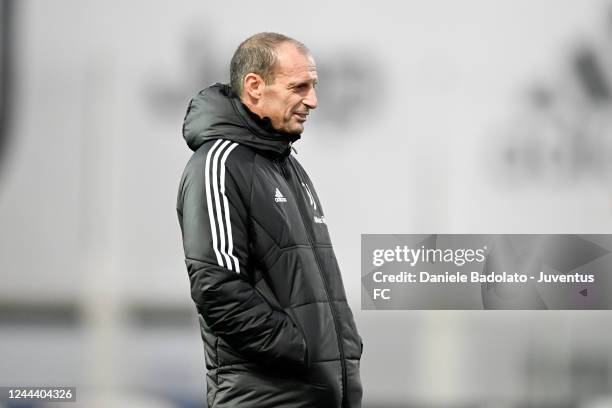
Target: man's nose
point(311, 99)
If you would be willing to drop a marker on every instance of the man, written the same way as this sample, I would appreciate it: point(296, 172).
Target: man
point(276, 326)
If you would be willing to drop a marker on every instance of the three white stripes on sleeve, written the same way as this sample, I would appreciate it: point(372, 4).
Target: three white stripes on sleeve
point(218, 207)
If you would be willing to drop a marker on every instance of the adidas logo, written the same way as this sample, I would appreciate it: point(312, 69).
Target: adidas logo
point(279, 197)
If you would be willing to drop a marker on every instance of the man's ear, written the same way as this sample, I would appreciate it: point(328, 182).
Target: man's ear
point(253, 86)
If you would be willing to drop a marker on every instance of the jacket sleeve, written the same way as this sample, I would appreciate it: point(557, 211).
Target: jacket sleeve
point(212, 210)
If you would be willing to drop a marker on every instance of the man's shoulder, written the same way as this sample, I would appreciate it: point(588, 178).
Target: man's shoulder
point(223, 158)
point(215, 152)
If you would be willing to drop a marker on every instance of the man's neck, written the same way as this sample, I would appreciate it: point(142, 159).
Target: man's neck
point(253, 108)
point(261, 120)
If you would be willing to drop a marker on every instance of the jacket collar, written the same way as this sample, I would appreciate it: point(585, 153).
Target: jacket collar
point(217, 113)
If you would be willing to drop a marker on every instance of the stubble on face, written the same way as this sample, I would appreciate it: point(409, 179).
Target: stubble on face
point(287, 101)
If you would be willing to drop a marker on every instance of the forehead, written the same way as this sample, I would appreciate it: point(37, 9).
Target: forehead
point(293, 64)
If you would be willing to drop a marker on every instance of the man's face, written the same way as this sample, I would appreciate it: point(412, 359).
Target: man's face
point(288, 100)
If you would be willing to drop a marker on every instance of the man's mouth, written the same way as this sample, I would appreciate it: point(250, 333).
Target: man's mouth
point(301, 116)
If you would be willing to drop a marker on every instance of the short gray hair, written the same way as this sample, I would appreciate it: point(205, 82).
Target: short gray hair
point(258, 55)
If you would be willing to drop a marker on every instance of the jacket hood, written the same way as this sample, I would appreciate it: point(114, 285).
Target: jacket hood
point(217, 113)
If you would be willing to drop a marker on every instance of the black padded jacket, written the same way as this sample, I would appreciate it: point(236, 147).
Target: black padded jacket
point(277, 328)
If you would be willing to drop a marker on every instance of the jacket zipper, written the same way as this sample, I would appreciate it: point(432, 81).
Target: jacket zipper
point(323, 277)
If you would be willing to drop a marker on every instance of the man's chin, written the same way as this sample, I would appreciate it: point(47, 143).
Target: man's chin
point(296, 129)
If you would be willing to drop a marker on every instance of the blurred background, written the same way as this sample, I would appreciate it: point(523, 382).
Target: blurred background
point(435, 116)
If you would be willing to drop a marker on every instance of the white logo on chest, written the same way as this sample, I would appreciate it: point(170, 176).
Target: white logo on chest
point(312, 201)
point(279, 197)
